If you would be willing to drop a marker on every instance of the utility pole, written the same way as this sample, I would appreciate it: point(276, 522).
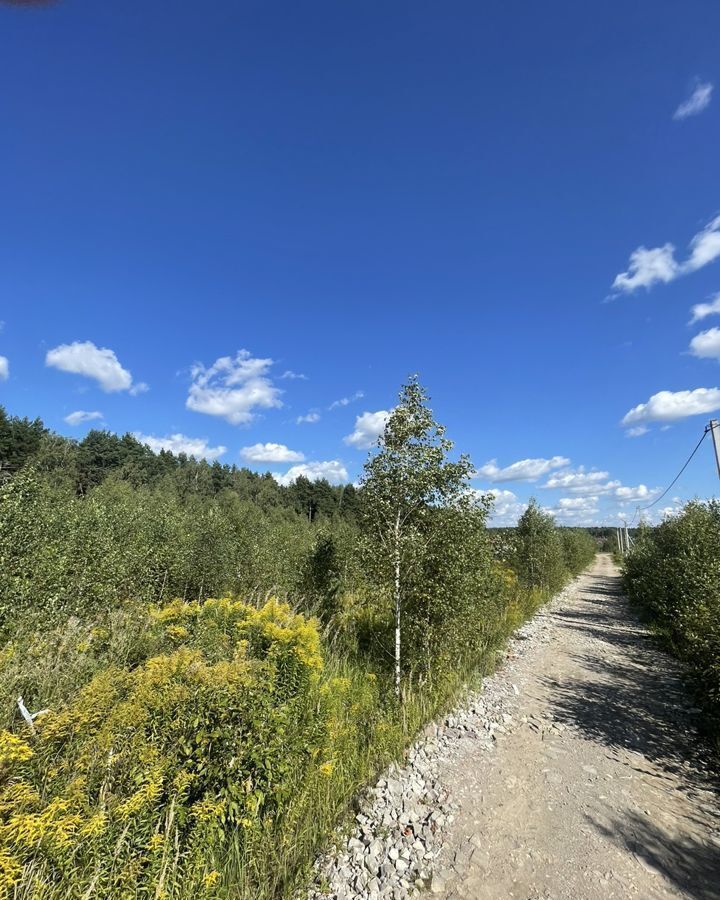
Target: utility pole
point(714, 427)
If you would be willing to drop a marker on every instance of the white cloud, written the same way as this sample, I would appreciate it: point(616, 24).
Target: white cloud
point(507, 509)
point(703, 310)
point(275, 453)
point(704, 247)
point(698, 100)
point(578, 481)
point(99, 363)
point(4, 368)
point(669, 406)
point(80, 416)
point(522, 470)
point(332, 470)
point(706, 345)
point(659, 266)
point(646, 268)
point(180, 443)
point(294, 376)
point(641, 492)
point(575, 510)
point(368, 428)
point(637, 431)
point(233, 388)
point(666, 511)
point(308, 419)
point(574, 503)
point(346, 401)
point(139, 388)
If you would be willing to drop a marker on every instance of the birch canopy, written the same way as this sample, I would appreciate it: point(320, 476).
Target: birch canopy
point(405, 483)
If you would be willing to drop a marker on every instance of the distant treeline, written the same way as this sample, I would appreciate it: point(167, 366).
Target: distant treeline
point(83, 465)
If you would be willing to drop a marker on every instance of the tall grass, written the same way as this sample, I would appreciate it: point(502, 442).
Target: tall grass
point(100, 800)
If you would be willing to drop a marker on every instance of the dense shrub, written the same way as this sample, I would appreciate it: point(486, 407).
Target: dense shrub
point(63, 554)
point(673, 571)
point(579, 549)
point(538, 553)
point(162, 778)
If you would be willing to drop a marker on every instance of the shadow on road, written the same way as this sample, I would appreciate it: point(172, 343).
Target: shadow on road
point(690, 865)
point(630, 697)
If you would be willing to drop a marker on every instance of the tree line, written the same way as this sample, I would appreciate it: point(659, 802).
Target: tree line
point(83, 465)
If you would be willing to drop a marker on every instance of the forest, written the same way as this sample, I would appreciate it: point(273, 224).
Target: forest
point(212, 665)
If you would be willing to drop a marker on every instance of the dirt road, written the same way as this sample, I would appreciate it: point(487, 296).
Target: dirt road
point(599, 785)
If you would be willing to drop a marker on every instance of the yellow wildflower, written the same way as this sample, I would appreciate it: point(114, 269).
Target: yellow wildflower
point(13, 748)
point(211, 878)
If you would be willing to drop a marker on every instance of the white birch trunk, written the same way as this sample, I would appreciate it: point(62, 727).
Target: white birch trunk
point(397, 604)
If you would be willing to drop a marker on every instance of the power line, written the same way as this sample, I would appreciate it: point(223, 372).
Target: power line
point(687, 463)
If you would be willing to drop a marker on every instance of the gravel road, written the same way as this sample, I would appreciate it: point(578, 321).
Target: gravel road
point(576, 774)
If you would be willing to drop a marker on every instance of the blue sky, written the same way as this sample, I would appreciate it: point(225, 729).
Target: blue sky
point(201, 202)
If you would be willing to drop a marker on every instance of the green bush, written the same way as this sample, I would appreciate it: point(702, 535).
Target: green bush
point(579, 549)
point(673, 571)
point(170, 778)
point(538, 553)
point(62, 554)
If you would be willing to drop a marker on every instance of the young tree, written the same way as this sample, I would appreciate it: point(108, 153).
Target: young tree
point(404, 484)
point(538, 551)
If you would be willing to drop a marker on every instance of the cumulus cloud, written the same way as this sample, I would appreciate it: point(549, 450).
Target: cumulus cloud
point(275, 453)
point(522, 470)
point(704, 247)
point(507, 507)
point(578, 481)
point(4, 368)
point(294, 376)
point(706, 345)
point(233, 387)
point(98, 363)
point(698, 100)
point(180, 443)
point(308, 419)
point(575, 503)
point(658, 265)
point(646, 268)
point(665, 512)
point(641, 492)
point(703, 310)
point(670, 406)
point(575, 511)
point(368, 428)
point(332, 470)
point(80, 416)
point(346, 401)
point(637, 431)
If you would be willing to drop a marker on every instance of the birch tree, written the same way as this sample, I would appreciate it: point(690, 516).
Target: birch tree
point(405, 482)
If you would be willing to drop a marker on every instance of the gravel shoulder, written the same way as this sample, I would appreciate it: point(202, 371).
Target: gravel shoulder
point(577, 772)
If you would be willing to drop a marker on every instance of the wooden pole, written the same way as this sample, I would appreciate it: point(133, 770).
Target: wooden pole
point(715, 431)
